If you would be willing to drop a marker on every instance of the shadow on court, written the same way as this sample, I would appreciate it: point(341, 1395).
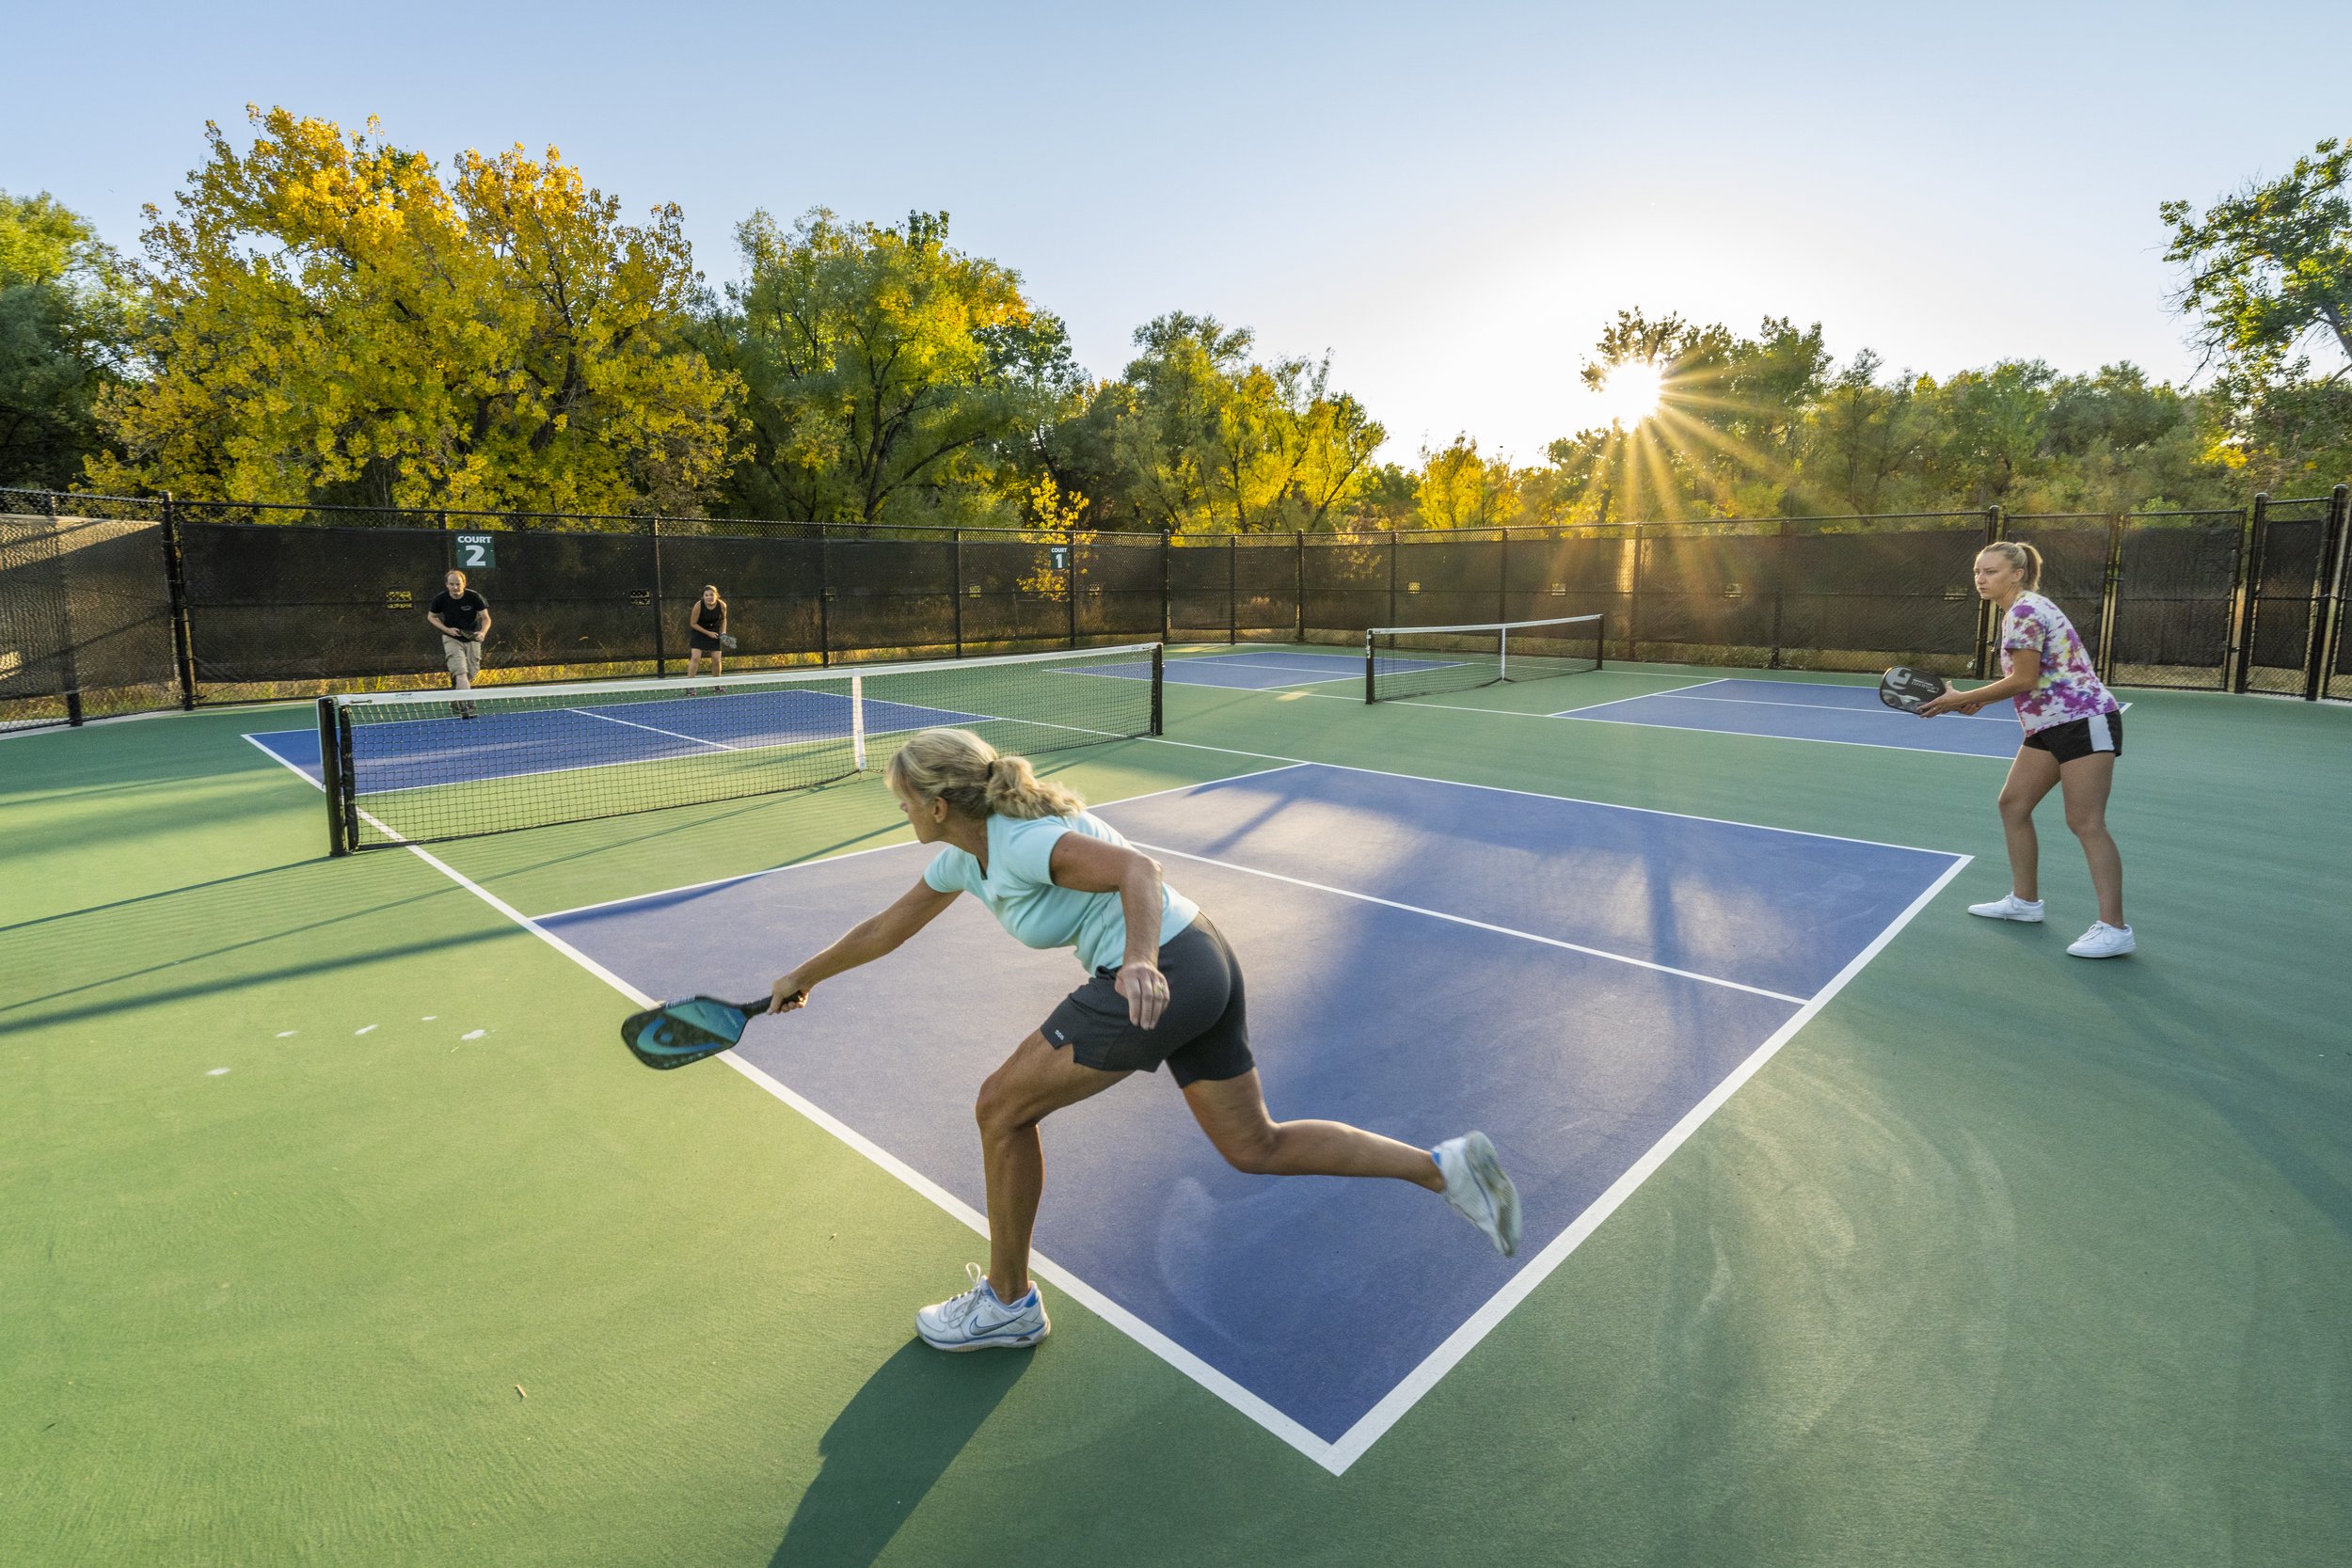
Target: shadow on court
point(889, 1446)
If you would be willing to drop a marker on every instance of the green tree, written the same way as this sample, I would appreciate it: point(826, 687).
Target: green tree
point(1198, 437)
point(888, 376)
point(2267, 277)
point(67, 312)
point(332, 321)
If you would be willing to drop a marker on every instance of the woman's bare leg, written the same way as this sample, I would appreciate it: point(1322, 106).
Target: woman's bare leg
point(2087, 781)
point(1232, 1111)
point(1034, 1081)
point(2034, 774)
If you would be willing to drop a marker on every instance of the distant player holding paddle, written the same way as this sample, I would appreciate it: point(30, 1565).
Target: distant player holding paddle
point(462, 616)
point(1163, 987)
point(706, 633)
point(2074, 732)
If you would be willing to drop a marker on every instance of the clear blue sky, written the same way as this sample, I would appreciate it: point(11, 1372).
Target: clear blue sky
point(1450, 199)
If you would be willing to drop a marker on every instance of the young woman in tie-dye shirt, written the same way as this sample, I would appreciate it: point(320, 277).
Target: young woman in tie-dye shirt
point(2074, 732)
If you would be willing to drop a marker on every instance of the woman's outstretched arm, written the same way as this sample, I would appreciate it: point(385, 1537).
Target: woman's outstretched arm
point(862, 944)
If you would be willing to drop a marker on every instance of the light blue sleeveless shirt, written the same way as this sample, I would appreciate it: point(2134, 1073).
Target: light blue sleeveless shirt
point(1020, 890)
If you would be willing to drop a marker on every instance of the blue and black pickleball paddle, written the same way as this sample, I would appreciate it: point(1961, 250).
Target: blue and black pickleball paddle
point(677, 1033)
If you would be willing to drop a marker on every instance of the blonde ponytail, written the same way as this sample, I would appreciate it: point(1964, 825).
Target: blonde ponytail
point(975, 778)
point(2022, 556)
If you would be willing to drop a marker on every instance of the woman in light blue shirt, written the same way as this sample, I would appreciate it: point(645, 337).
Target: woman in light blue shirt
point(1163, 988)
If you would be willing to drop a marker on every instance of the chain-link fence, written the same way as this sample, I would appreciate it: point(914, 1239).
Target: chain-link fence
point(111, 605)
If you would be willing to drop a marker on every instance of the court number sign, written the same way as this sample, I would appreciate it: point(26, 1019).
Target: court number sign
point(477, 552)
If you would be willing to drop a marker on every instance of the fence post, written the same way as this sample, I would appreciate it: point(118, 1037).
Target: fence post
point(661, 654)
point(2110, 583)
point(1233, 605)
point(1392, 620)
point(1298, 589)
point(824, 593)
point(1168, 594)
point(2257, 535)
point(68, 668)
point(176, 586)
point(959, 538)
point(1984, 608)
point(1780, 585)
point(1503, 578)
point(1069, 579)
point(2324, 636)
point(1634, 603)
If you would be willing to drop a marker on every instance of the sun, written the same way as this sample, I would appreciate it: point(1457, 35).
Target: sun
point(1630, 393)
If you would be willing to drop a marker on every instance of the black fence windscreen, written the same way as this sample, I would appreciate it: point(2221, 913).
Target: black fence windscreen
point(279, 601)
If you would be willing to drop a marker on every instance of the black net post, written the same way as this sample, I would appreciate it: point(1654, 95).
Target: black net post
point(661, 604)
point(1159, 672)
point(176, 584)
point(1984, 607)
point(331, 777)
point(2258, 534)
point(2325, 632)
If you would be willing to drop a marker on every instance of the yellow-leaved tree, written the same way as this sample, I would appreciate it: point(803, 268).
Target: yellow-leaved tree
point(333, 321)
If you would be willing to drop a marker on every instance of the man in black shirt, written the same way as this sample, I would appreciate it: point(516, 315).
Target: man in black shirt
point(462, 616)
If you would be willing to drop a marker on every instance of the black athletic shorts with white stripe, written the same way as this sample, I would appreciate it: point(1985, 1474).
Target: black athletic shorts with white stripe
point(1204, 1033)
point(2071, 743)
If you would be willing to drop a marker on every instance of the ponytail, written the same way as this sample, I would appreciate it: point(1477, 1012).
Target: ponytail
point(2022, 556)
point(975, 778)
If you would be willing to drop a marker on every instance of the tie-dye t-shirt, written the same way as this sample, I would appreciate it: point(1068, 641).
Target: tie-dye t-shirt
point(2065, 687)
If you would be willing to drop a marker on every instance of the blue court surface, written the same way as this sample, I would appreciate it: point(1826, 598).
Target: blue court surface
point(1584, 981)
point(1794, 710)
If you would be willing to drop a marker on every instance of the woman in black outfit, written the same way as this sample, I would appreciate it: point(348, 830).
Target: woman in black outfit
point(705, 623)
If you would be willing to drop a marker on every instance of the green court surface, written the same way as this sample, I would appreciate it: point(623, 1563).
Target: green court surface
point(337, 1228)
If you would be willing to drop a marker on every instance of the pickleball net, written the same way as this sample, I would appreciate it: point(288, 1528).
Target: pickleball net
point(420, 767)
point(1422, 661)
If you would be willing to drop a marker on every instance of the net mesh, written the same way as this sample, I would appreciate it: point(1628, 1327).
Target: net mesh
point(1420, 662)
point(420, 768)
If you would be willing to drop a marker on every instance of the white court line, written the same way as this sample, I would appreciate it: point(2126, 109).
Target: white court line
point(876, 849)
point(1478, 925)
point(652, 729)
point(1536, 794)
point(1613, 701)
point(1804, 740)
point(1376, 1421)
point(1879, 712)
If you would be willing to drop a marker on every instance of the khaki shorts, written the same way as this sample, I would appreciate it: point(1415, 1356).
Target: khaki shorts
point(462, 658)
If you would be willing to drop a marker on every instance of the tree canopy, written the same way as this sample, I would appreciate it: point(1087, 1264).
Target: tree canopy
point(327, 317)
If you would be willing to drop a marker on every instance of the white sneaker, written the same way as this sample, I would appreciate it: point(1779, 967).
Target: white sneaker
point(978, 1321)
point(1478, 1189)
point(2103, 941)
point(2010, 907)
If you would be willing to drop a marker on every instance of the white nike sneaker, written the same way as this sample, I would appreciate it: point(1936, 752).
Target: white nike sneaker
point(1478, 1189)
point(2103, 941)
point(2010, 907)
point(978, 1321)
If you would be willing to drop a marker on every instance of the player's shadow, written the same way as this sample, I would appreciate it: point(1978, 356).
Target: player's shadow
point(888, 1448)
